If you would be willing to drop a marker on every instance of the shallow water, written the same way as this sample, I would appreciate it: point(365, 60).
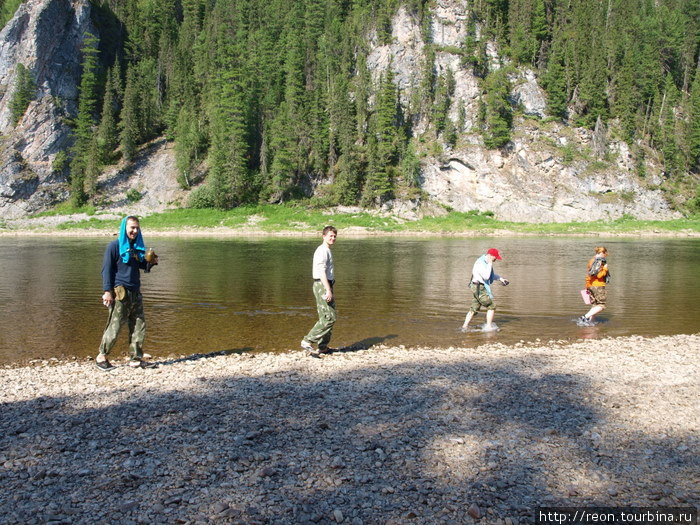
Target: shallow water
point(209, 294)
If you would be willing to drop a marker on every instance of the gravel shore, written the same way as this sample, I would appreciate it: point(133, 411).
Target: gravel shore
point(384, 435)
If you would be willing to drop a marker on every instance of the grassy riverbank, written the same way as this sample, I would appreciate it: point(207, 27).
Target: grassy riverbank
point(271, 219)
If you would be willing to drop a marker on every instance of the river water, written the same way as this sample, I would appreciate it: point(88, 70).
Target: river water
point(213, 294)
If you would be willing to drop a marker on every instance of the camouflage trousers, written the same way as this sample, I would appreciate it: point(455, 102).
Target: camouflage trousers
point(481, 298)
point(323, 329)
point(130, 310)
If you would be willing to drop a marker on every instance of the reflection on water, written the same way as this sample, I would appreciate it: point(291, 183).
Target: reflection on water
point(209, 295)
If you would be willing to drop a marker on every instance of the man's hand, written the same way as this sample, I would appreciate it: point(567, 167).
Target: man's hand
point(504, 282)
point(329, 295)
point(107, 298)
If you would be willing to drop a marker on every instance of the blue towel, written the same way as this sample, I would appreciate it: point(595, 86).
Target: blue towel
point(125, 247)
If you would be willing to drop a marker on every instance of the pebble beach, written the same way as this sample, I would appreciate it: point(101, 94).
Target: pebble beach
point(385, 435)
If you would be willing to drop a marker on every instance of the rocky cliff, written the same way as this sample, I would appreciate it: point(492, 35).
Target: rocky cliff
point(45, 36)
point(548, 172)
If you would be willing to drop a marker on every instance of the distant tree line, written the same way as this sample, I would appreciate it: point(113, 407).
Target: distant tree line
point(274, 94)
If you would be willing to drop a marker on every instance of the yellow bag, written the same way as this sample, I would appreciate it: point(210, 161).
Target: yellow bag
point(119, 292)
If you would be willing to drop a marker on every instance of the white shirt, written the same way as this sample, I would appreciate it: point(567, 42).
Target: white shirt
point(481, 272)
point(323, 263)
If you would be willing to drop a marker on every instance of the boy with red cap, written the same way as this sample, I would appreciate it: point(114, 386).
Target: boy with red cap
point(480, 284)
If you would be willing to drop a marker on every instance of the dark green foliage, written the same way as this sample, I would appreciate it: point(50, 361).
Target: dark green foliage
point(84, 167)
point(7, 10)
point(129, 122)
point(268, 98)
point(189, 144)
point(443, 100)
point(498, 114)
point(694, 124)
point(385, 143)
point(107, 136)
point(554, 82)
point(133, 195)
point(60, 162)
point(25, 89)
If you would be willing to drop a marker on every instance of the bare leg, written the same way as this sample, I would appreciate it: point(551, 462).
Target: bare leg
point(489, 317)
point(467, 319)
point(595, 310)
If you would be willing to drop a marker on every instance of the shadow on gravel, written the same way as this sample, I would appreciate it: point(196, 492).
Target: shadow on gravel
point(365, 344)
point(372, 444)
point(208, 355)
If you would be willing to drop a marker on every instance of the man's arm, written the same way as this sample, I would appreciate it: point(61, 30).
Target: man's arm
point(320, 262)
point(329, 290)
point(109, 271)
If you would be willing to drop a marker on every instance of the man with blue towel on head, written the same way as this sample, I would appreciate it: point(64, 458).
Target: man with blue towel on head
point(124, 259)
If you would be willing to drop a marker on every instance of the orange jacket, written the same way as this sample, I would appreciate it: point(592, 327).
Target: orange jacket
point(599, 279)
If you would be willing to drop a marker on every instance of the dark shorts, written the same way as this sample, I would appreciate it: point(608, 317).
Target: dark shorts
point(598, 294)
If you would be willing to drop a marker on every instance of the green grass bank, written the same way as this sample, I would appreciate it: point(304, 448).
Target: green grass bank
point(276, 219)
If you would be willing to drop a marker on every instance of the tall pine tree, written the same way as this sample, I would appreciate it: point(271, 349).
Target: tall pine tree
point(83, 171)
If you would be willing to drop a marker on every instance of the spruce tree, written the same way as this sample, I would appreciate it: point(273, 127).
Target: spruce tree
point(24, 93)
point(107, 136)
point(189, 142)
point(498, 116)
point(694, 123)
point(229, 179)
point(129, 123)
point(85, 125)
point(384, 151)
point(555, 84)
point(667, 128)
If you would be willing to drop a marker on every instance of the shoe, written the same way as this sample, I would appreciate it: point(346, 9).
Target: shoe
point(105, 365)
point(306, 345)
point(140, 363)
point(324, 350)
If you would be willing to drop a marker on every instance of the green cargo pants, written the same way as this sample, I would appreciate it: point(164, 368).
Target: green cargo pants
point(130, 309)
point(322, 330)
point(481, 298)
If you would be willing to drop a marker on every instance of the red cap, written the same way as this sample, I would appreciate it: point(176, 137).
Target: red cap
point(494, 252)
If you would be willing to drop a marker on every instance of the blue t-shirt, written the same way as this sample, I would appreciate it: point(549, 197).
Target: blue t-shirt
point(116, 272)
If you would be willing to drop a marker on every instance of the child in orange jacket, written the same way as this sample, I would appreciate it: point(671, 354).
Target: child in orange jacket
point(596, 279)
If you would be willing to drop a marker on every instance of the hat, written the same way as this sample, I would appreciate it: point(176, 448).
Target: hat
point(494, 252)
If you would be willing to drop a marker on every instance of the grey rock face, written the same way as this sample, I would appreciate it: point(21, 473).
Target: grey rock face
point(45, 36)
point(528, 94)
point(530, 181)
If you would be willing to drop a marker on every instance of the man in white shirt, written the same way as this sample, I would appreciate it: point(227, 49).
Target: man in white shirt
point(324, 277)
point(482, 278)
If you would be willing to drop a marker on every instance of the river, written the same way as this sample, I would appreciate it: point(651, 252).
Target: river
point(223, 294)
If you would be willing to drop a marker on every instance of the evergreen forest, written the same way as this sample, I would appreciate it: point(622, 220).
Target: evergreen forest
point(263, 97)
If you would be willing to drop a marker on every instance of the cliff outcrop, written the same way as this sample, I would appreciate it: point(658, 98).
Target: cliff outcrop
point(549, 171)
point(45, 36)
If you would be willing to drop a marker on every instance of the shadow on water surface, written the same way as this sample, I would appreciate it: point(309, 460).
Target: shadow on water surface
point(289, 447)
